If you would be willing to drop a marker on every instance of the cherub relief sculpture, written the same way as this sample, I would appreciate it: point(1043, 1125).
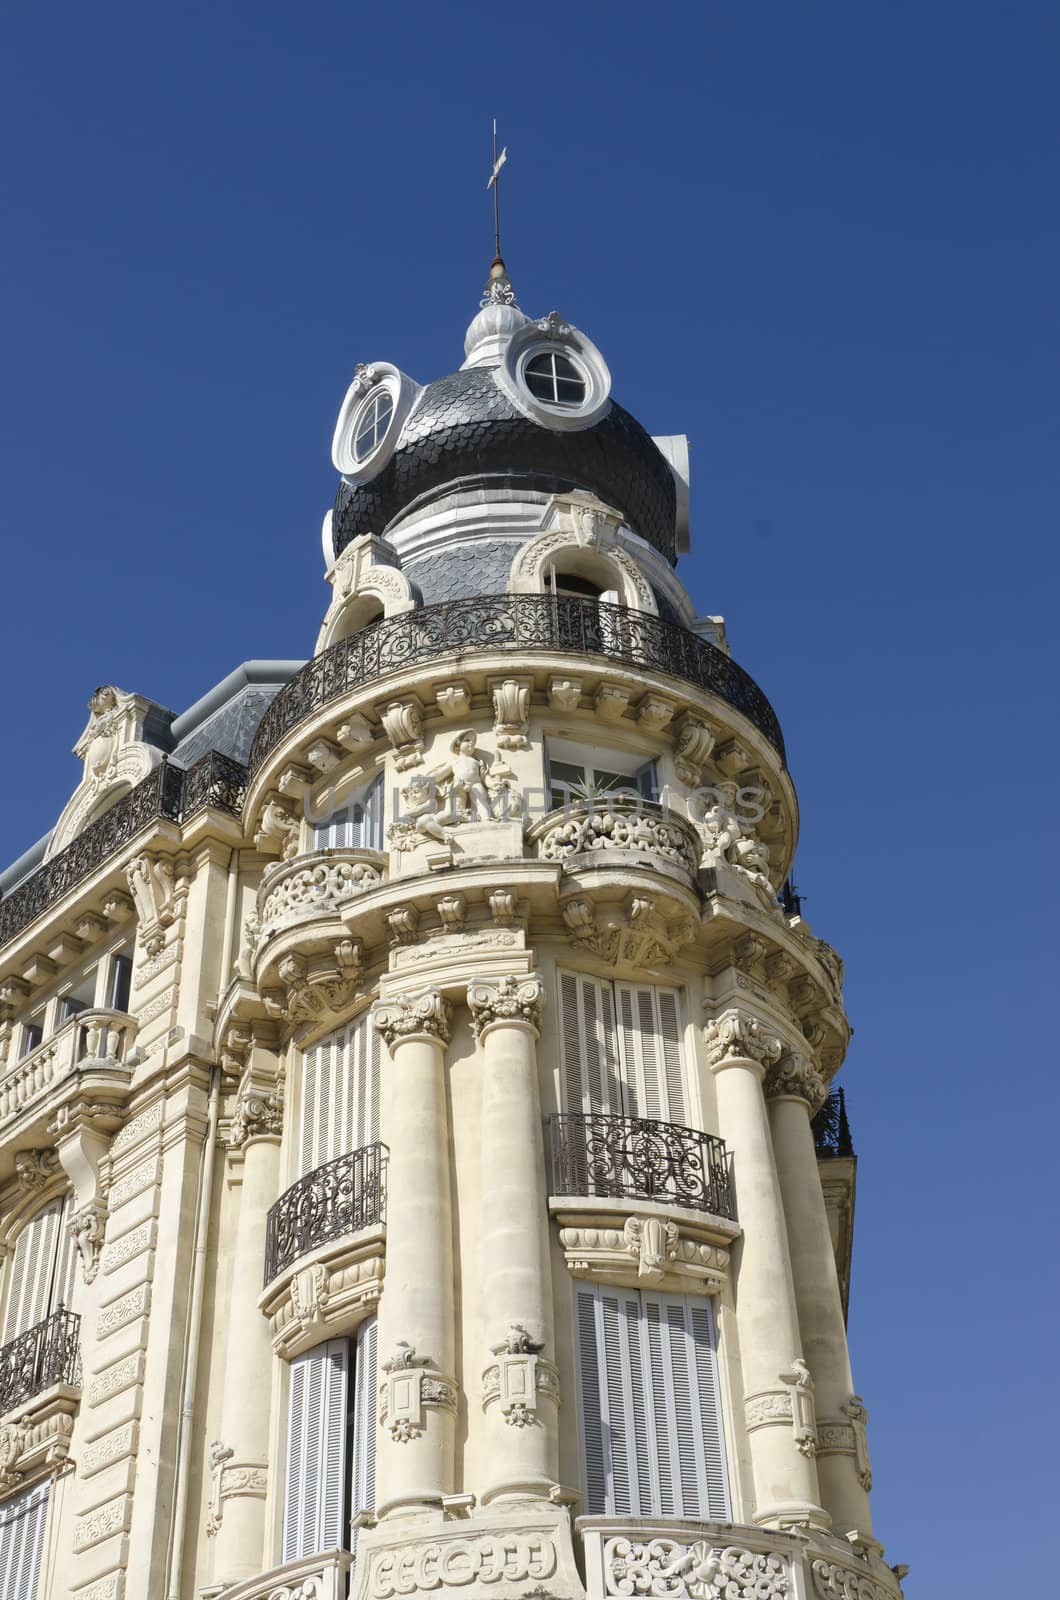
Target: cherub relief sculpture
point(727, 837)
point(463, 789)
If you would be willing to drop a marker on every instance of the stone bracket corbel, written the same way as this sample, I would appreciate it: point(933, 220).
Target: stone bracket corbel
point(517, 1378)
point(412, 1385)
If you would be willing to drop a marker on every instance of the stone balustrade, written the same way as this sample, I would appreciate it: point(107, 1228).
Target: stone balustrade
point(628, 1556)
point(318, 1577)
point(619, 823)
point(314, 885)
point(90, 1040)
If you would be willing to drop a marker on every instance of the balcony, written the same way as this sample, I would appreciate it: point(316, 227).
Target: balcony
point(512, 624)
point(318, 1577)
point(92, 1041)
point(630, 1158)
point(622, 828)
point(168, 792)
point(44, 1355)
point(831, 1130)
point(314, 886)
point(342, 1197)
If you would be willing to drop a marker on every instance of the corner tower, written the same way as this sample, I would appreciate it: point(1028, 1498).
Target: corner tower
point(418, 1150)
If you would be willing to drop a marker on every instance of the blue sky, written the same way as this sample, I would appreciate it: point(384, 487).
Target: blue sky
point(820, 238)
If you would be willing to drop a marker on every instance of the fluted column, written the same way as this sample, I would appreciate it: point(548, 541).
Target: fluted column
point(520, 1382)
point(416, 1313)
point(239, 1458)
point(778, 1406)
point(794, 1090)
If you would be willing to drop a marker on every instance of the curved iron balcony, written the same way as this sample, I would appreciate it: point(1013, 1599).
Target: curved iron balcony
point(214, 780)
point(519, 622)
point(831, 1130)
point(631, 1158)
point(342, 1196)
point(45, 1354)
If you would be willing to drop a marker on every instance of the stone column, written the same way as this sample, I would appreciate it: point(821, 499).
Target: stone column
point(239, 1459)
point(417, 1340)
point(778, 1408)
point(795, 1090)
point(520, 1384)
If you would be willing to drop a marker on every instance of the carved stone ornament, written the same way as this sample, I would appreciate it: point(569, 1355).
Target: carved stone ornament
point(403, 726)
point(795, 1076)
point(14, 1437)
point(115, 757)
point(728, 838)
point(411, 1385)
point(86, 1227)
point(218, 1455)
point(413, 1016)
point(692, 748)
point(507, 999)
point(833, 1582)
point(466, 788)
point(693, 1569)
point(564, 693)
point(622, 823)
point(159, 902)
point(639, 936)
point(738, 1036)
point(858, 1416)
point(258, 1113)
point(34, 1168)
point(512, 1560)
point(803, 1418)
point(517, 1377)
point(279, 829)
point(654, 712)
point(315, 987)
point(511, 713)
point(453, 700)
point(653, 1241)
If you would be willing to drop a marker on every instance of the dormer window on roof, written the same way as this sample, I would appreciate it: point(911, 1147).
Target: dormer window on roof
point(554, 379)
point(370, 424)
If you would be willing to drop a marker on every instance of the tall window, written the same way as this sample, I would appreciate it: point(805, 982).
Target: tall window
point(40, 1273)
point(22, 1520)
point(330, 1468)
point(356, 825)
point(340, 1094)
point(652, 1442)
point(622, 1049)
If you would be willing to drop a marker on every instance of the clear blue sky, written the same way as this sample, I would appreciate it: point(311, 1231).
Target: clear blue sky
point(820, 238)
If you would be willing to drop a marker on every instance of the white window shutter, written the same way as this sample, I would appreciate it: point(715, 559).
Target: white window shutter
point(650, 1406)
point(372, 826)
point(41, 1269)
point(340, 1094)
point(650, 1038)
point(22, 1520)
point(315, 1479)
point(357, 825)
point(365, 1418)
point(591, 1078)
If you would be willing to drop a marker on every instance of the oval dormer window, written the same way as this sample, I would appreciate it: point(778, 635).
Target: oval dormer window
point(372, 422)
point(554, 379)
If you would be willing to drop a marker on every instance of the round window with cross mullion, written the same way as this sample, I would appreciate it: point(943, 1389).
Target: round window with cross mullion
point(372, 423)
point(555, 380)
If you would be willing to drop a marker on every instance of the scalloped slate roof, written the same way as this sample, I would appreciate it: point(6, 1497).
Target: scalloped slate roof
point(464, 428)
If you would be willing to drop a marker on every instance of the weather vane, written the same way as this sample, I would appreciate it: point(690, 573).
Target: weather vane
point(494, 184)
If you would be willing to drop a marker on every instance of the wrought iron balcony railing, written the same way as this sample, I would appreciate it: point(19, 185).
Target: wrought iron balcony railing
point(630, 1158)
point(171, 792)
point(48, 1353)
point(831, 1130)
point(340, 1197)
point(512, 622)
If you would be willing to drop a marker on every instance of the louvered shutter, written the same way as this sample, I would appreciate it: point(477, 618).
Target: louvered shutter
point(340, 1094)
point(41, 1272)
point(364, 1419)
point(22, 1520)
point(357, 825)
point(372, 823)
point(650, 1039)
point(315, 1479)
point(650, 1405)
point(591, 1074)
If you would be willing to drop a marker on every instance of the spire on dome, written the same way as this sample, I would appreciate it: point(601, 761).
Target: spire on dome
point(498, 290)
point(497, 320)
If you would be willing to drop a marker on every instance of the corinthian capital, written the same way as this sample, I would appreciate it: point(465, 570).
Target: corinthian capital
point(506, 1000)
point(796, 1076)
point(410, 1016)
point(738, 1036)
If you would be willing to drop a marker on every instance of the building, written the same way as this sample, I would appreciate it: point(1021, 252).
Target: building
point(416, 1169)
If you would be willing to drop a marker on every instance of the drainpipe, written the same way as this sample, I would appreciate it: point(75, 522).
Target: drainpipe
point(191, 1369)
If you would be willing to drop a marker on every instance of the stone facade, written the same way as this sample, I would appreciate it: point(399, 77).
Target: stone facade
point(469, 1118)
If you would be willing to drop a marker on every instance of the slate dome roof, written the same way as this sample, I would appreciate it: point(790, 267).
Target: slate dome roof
point(464, 430)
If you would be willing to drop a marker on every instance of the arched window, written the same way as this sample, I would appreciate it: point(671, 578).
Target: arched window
point(355, 825)
point(40, 1272)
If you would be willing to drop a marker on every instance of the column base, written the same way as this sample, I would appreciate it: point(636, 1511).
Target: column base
point(793, 1514)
